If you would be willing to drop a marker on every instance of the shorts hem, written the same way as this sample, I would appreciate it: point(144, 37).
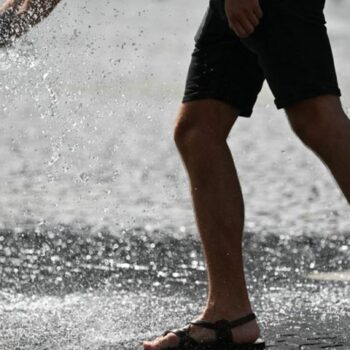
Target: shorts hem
point(242, 111)
point(287, 102)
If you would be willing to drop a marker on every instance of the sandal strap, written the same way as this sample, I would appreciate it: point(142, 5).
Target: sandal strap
point(181, 333)
point(232, 324)
point(242, 320)
point(223, 327)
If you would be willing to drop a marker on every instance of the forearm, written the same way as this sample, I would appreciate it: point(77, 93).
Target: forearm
point(36, 10)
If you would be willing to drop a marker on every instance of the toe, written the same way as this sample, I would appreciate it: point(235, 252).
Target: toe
point(170, 340)
point(146, 345)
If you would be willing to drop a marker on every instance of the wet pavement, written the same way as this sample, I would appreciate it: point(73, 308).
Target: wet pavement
point(65, 290)
point(98, 244)
point(309, 340)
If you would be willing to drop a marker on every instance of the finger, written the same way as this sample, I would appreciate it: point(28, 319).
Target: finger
point(253, 19)
point(7, 5)
point(247, 26)
point(24, 7)
point(239, 30)
point(257, 10)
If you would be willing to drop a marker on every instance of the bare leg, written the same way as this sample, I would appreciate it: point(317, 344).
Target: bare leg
point(324, 127)
point(200, 134)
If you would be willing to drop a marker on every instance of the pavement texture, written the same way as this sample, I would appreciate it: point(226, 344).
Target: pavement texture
point(69, 290)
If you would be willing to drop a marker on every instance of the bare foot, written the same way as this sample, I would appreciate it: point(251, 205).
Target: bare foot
point(247, 333)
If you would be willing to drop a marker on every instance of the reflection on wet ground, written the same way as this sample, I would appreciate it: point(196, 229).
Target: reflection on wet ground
point(89, 144)
point(86, 291)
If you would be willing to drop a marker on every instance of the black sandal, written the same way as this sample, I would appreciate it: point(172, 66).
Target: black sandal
point(223, 341)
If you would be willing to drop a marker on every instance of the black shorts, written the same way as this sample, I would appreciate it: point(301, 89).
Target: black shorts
point(290, 48)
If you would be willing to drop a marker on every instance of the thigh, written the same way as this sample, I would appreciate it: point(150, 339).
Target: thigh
point(221, 66)
point(294, 50)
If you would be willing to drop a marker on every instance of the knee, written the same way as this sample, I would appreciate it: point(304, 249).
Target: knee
point(200, 125)
point(188, 134)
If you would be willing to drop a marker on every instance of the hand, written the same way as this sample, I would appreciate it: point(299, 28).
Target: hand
point(18, 16)
point(243, 16)
point(7, 5)
point(24, 6)
point(41, 7)
point(19, 6)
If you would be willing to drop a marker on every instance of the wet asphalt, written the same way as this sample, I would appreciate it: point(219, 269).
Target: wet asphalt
point(140, 282)
point(78, 148)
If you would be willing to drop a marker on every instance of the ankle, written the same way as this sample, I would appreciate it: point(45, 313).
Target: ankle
point(215, 311)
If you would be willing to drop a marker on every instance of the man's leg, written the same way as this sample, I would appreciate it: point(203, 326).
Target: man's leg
point(200, 134)
point(324, 127)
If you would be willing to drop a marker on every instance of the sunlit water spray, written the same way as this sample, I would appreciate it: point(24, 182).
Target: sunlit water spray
point(97, 229)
